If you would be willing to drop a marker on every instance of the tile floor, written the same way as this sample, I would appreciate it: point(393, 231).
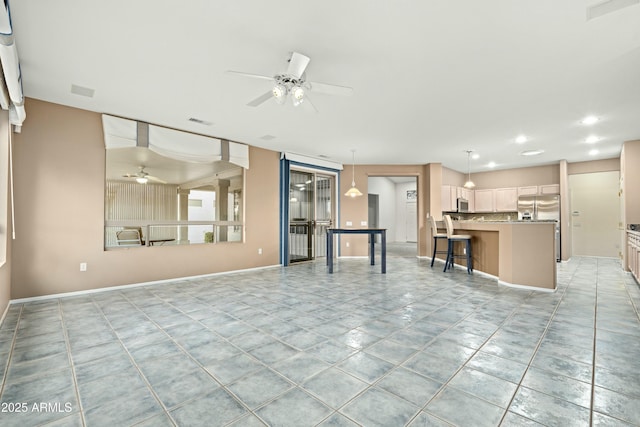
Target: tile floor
point(299, 347)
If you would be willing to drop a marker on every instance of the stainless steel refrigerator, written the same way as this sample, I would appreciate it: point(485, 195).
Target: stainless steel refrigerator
point(541, 208)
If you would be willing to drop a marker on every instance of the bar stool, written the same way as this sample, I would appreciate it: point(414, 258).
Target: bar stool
point(451, 239)
point(436, 236)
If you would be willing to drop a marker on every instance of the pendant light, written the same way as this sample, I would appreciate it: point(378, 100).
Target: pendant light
point(353, 191)
point(469, 183)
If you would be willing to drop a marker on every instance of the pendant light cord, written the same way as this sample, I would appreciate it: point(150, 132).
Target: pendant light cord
point(353, 168)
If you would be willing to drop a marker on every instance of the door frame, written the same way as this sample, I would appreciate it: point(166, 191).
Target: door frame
point(285, 168)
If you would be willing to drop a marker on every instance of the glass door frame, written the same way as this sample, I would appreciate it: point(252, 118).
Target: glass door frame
point(285, 170)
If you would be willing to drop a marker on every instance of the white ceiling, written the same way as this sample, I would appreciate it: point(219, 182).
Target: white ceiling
point(431, 78)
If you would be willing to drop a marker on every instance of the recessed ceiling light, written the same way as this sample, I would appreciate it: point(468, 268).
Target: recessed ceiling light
point(521, 139)
point(592, 139)
point(589, 120)
point(531, 152)
point(475, 156)
point(492, 164)
point(593, 152)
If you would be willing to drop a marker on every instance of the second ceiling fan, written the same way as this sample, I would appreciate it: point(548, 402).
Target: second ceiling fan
point(293, 83)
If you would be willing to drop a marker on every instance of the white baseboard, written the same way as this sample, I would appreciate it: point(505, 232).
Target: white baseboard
point(133, 285)
point(527, 287)
point(500, 282)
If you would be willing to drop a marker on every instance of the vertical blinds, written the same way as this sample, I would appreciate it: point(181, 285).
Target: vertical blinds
point(132, 201)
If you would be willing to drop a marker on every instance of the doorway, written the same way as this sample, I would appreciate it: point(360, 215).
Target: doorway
point(311, 211)
point(393, 205)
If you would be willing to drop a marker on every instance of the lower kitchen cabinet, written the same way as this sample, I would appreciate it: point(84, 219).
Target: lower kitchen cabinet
point(633, 254)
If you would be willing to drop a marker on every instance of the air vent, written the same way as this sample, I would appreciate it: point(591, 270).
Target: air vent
point(82, 91)
point(607, 7)
point(267, 137)
point(200, 121)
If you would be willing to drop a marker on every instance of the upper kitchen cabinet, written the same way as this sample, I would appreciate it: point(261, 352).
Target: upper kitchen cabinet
point(506, 199)
point(449, 195)
point(468, 195)
point(535, 190)
point(484, 200)
point(531, 190)
point(550, 189)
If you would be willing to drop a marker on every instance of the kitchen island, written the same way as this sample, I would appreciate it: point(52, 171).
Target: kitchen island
point(518, 253)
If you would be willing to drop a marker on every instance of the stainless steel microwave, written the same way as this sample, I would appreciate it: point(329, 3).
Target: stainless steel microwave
point(462, 205)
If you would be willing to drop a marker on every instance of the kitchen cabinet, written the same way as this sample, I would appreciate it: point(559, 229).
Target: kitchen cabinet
point(633, 254)
point(506, 199)
point(467, 194)
point(450, 195)
point(448, 198)
point(531, 190)
point(550, 189)
point(483, 200)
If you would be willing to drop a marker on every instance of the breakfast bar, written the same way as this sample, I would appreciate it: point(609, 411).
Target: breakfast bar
point(518, 253)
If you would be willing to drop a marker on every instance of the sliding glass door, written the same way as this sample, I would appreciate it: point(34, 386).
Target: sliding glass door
point(311, 211)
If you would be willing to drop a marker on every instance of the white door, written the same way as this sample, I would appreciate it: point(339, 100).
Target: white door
point(411, 222)
point(595, 214)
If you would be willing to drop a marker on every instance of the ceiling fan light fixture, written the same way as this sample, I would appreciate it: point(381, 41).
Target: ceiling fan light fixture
point(279, 92)
point(297, 93)
point(142, 180)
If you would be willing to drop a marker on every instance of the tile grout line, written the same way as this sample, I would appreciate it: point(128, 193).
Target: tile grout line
point(528, 365)
point(71, 364)
point(186, 353)
point(10, 356)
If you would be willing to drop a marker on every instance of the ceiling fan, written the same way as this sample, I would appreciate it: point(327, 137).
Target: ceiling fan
point(294, 83)
point(143, 177)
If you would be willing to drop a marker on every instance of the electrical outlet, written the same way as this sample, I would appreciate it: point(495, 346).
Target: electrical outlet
point(349, 223)
point(363, 223)
point(83, 266)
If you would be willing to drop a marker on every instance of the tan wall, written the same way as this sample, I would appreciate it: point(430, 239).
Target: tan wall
point(594, 166)
point(5, 270)
point(451, 177)
point(631, 192)
point(355, 210)
point(521, 177)
point(59, 165)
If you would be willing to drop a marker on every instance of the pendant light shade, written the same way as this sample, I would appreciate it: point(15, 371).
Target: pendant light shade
point(469, 183)
point(353, 191)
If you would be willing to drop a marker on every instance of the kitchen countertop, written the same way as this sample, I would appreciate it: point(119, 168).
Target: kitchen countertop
point(520, 221)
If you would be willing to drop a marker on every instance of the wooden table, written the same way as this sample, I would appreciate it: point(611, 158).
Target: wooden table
point(372, 239)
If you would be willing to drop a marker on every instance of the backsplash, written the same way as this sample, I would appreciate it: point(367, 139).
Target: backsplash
point(488, 216)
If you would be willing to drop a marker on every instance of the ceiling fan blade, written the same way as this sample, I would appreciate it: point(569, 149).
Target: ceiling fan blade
point(153, 178)
point(130, 175)
point(297, 64)
point(330, 89)
point(253, 76)
point(262, 98)
point(307, 100)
